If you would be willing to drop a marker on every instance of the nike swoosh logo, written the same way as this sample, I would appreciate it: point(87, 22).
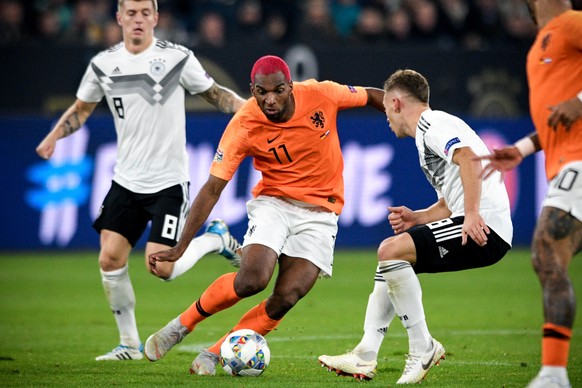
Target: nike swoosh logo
point(427, 365)
point(269, 141)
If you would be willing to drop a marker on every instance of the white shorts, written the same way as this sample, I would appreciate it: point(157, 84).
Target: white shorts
point(565, 190)
point(289, 228)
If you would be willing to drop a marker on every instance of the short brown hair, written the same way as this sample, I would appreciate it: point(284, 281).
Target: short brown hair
point(409, 81)
point(154, 2)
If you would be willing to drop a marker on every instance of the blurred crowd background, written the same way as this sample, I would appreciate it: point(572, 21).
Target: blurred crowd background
point(466, 24)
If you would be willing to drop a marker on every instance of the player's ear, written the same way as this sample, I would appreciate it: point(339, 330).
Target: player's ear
point(118, 17)
point(396, 104)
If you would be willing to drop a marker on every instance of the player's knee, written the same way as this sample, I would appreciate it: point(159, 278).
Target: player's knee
point(245, 286)
point(542, 250)
point(388, 249)
point(108, 262)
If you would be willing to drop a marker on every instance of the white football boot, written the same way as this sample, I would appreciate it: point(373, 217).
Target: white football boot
point(349, 364)
point(417, 366)
point(122, 353)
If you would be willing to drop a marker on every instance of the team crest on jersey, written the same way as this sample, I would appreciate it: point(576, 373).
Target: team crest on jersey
point(157, 67)
point(317, 119)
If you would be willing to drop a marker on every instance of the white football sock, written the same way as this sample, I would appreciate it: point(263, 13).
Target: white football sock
point(406, 296)
point(197, 249)
point(121, 298)
point(379, 315)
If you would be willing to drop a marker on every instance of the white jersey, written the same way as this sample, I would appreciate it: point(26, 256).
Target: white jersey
point(145, 93)
point(438, 135)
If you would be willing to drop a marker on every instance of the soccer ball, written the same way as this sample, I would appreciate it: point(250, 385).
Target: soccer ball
point(244, 353)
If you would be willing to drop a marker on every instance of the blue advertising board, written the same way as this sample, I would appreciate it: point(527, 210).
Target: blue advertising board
point(52, 204)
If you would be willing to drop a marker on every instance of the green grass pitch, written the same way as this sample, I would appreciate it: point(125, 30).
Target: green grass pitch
point(54, 320)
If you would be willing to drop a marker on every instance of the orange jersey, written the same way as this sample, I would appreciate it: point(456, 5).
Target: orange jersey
point(299, 159)
point(554, 72)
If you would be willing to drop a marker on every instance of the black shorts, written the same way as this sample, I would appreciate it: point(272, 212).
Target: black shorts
point(128, 213)
point(439, 249)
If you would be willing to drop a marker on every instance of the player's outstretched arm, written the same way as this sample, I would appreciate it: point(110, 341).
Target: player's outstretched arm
point(70, 122)
point(376, 98)
point(198, 214)
point(223, 98)
point(509, 157)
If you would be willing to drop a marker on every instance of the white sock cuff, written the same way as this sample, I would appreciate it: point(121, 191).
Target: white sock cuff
point(392, 265)
point(116, 273)
point(395, 271)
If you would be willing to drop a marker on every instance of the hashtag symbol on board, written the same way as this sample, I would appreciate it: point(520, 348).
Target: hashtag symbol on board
point(61, 186)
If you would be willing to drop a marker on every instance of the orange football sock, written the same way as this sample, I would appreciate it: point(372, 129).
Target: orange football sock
point(255, 319)
point(555, 345)
point(218, 296)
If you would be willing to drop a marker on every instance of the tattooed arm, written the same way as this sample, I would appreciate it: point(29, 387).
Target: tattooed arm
point(223, 98)
point(69, 123)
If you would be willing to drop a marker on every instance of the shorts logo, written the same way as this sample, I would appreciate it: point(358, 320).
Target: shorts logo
point(442, 251)
point(219, 155)
point(451, 143)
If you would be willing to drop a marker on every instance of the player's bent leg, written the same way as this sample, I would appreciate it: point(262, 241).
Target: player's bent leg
point(256, 270)
point(160, 343)
point(296, 278)
point(216, 239)
point(418, 365)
